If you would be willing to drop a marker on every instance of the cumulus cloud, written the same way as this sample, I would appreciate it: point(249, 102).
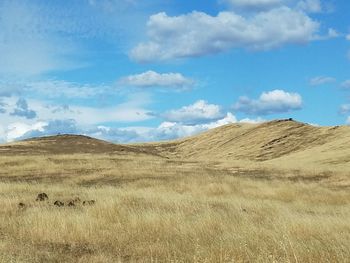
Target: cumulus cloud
point(186, 121)
point(17, 130)
point(172, 130)
point(123, 135)
point(199, 112)
point(276, 101)
point(22, 110)
point(197, 33)
point(320, 80)
point(43, 128)
point(153, 79)
point(345, 84)
point(165, 131)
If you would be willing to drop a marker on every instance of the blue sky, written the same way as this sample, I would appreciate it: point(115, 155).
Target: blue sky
point(132, 70)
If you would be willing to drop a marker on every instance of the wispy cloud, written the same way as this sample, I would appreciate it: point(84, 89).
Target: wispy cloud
point(320, 80)
point(345, 84)
point(154, 79)
point(311, 6)
point(29, 41)
point(344, 109)
point(254, 5)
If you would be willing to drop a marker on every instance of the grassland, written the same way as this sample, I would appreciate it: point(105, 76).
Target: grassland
point(153, 206)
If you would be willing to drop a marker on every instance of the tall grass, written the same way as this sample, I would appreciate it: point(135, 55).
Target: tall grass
point(154, 210)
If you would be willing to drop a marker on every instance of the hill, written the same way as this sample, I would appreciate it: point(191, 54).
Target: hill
point(280, 143)
point(60, 144)
point(271, 192)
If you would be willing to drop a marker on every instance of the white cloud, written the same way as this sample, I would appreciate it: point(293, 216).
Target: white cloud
point(199, 112)
point(113, 5)
point(198, 34)
point(344, 109)
point(165, 131)
point(348, 37)
point(60, 88)
point(186, 121)
point(276, 101)
point(348, 121)
point(9, 88)
point(332, 33)
point(255, 4)
point(345, 84)
point(18, 129)
point(132, 110)
point(153, 79)
point(173, 130)
point(2, 107)
point(311, 6)
point(320, 80)
point(22, 110)
point(3, 135)
point(253, 121)
point(123, 135)
point(52, 89)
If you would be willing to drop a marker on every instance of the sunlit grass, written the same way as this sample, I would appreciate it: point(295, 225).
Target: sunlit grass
point(156, 210)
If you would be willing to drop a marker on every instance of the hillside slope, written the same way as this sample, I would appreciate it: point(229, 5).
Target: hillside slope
point(259, 142)
point(284, 143)
point(65, 144)
point(281, 143)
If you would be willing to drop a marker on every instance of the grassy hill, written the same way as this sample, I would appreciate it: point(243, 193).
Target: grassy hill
point(271, 192)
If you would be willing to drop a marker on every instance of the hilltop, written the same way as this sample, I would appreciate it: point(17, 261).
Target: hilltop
point(66, 144)
point(283, 143)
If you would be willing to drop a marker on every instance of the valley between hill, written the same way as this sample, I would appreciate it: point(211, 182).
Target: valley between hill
point(271, 192)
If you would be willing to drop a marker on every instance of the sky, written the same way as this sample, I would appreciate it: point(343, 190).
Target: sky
point(136, 71)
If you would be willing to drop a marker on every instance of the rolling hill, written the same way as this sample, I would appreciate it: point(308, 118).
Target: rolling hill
point(280, 143)
point(276, 191)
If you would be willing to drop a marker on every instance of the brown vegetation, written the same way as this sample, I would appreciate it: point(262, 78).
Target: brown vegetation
point(275, 192)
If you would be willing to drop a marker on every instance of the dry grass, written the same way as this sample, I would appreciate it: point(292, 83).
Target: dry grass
point(275, 192)
point(152, 209)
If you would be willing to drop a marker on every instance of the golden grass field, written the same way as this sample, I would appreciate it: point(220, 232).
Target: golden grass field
point(275, 192)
